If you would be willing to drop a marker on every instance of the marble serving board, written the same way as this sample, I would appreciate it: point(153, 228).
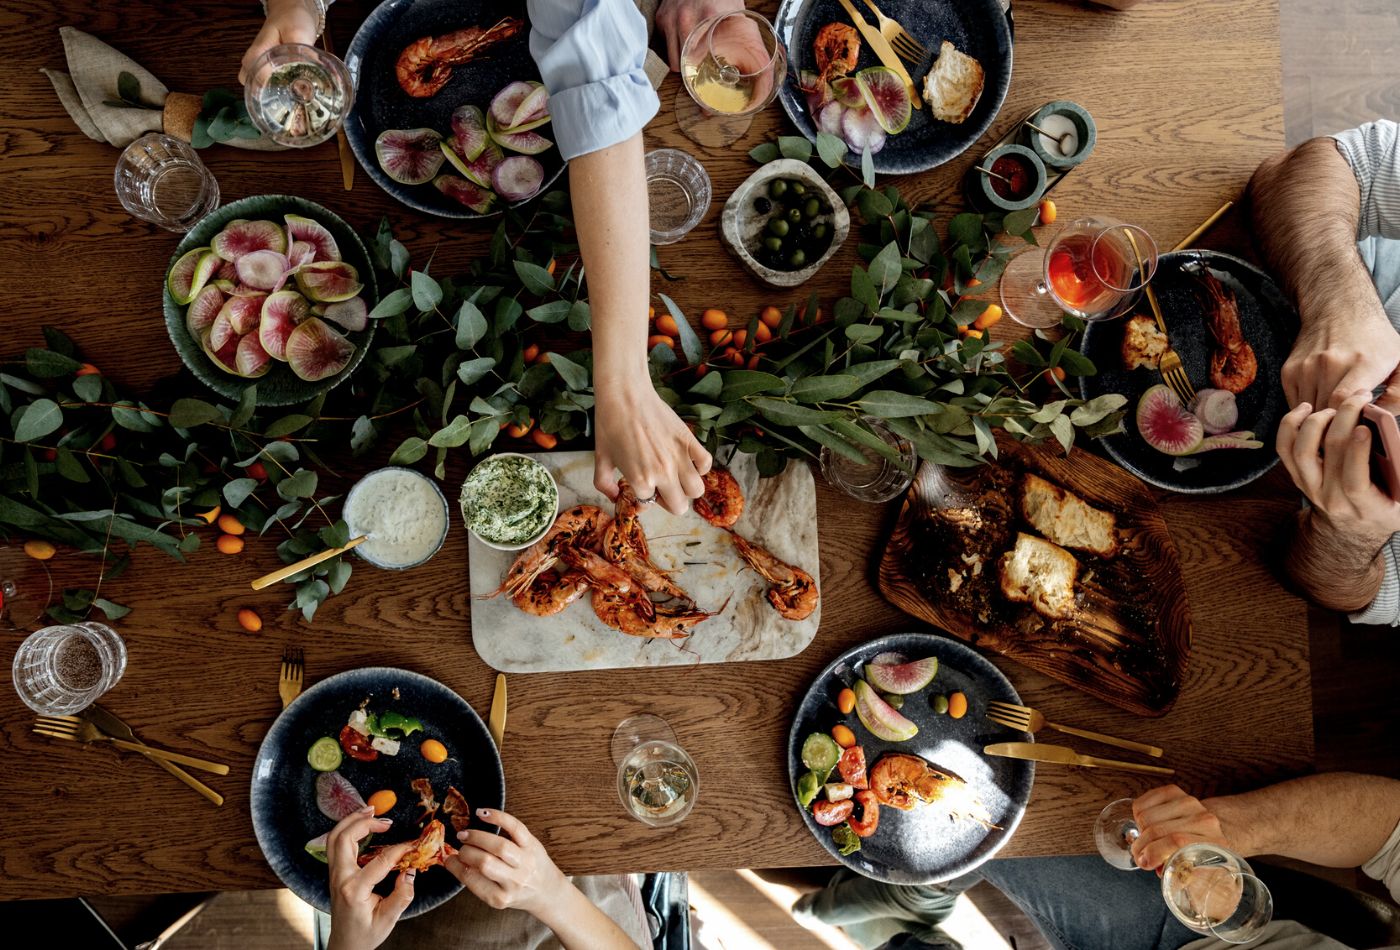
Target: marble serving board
point(779, 513)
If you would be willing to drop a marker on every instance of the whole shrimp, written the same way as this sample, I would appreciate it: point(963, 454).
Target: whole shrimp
point(902, 781)
point(551, 592)
point(425, 65)
point(791, 591)
point(579, 525)
point(723, 501)
point(625, 544)
point(1233, 365)
point(665, 623)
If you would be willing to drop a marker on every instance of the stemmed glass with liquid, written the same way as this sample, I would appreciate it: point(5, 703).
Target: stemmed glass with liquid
point(1209, 888)
point(298, 95)
point(26, 589)
point(1094, 269)
point(732, 65)
point(656, 780)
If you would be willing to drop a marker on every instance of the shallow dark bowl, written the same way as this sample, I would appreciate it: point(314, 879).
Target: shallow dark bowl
point(978, 28)
point(924, 846)
point(283, 799)
point(279, 386)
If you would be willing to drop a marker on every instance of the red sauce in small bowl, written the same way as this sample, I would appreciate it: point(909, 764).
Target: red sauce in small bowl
point(1018, 171)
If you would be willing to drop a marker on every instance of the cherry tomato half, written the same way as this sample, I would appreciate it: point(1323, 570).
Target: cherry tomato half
point(852, 767)
point(357, 746)
point(869, 819)
point(832, 813)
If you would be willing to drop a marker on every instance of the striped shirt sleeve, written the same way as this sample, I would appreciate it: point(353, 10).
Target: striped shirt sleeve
point(1385, 609)
point(1373, 152)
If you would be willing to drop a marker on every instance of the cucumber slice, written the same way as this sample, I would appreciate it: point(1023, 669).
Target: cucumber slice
point(820, 753)
point(324, 754)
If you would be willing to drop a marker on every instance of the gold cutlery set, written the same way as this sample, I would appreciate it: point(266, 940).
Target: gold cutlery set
point(1025, 719)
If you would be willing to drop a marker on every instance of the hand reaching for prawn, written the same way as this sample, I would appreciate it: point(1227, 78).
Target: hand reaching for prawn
point(640, 434)
point(288, 21)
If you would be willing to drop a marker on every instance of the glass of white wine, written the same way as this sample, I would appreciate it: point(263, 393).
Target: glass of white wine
point(26, 588)
point(732, 65)
point(298, 95)
point(656, 780)
point(1209, 888)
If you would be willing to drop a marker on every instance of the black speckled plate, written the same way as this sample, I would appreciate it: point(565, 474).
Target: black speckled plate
point(381, 104)
point(1269, 323)
point(978, 28)
point(279, 386)
point(285, 816)
point(924, 845)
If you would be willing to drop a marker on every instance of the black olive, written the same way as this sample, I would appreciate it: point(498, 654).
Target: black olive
point(762, 205)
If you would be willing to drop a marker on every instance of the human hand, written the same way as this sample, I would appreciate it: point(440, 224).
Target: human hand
point(676, 19)
point(360, 918)
point(641, 435)
point(507, 870)
point(1335, 359)
point(1168, 819)
point(288, 21)
point(1329, 457)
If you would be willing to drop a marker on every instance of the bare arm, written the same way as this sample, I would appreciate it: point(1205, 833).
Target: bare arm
point(1306, 208)
point(1334, 570)
point(580, 925)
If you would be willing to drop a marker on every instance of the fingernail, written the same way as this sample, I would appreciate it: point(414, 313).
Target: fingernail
point(412, 873)
point(484, 812)
point(387, 821)
point(461, 836)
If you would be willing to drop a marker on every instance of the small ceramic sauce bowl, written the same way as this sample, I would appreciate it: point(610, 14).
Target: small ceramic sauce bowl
point(549, 523)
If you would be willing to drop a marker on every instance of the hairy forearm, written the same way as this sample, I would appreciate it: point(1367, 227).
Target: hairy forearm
point(580, 925)
point(1339, 819)
point(1305, 206)
point(1336, 570)
point(610, 213)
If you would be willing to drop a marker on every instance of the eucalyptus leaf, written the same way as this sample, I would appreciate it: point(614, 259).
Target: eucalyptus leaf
point(795, 146)
point(885, 269)
point(867, 167)
point(708, 386)
point(1097, 408)
point(300, 484)
point(834, 442)
point(831, 148)
point(410, 450)
point(580, 316)
point(114, 611)
point(394, 303)
point(41, 417)
point(891, 404)
point(471, 325)
point(1076, 364)
point(689, 341)
point(427, 292)
point(864, 332)
point(247, 405)
point(821, 388)
point(1064, 432)
point(471, 372)
point(555, 311)
point(452, 435)
point(46, 364)
point(765, 153)
point(574, 375)
point(536, 279)
point(287, 425)
point(746, 382)
point(792, 414)
point(362, 435)
point(88, 388)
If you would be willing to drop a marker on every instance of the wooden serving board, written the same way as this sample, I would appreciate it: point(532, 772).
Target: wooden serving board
point(1130, 639)
point(779, 513)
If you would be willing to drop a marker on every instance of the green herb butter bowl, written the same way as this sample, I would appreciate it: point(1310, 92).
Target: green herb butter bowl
point(279, 386)
point(509, 490)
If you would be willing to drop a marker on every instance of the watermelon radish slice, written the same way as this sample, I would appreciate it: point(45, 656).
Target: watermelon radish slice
point(478, 170)
point(200, 316)
point(508, 101)
point(527, 143)
point(221, 344)
point(533, 110)
point(329, 281)
point(409, 156)
point(300, 229)
point(317, 847)
point(518, 177)
point(829, 119)
point(190, 273)
point(352, 314)
point(469, 132)
point(878, 716)
point(481, 200)
point(862, 131)
point(281, 312)
point(847, 92)
point(227, 271)
point(314, 351)
point(251, 360)
point(887, 97)
point(887, 659)
point(263, 270)
point(243, 313)
point(302, 252)
point(902, 678)
point(244, 237)
point(336, 797)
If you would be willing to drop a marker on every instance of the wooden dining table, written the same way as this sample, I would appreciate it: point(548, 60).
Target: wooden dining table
point(1186, 94)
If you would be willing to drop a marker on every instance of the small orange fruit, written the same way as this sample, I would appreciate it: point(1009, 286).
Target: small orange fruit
point(518, 431)
point(740, 336)
point(545, 440)
point(771, 317)
point(660, 339)
point(736, 357)
point(651, 313)
point(974, 282)
point(107, 443)
point(384, 799)
point(229, 544)
point(846, 701)
point(714, 319)
point(753, 362)
point(1054, 373)
point(532, 353)
point(667, 324)
point(971, 332)
point(39, 550)
point(843, 735)
point(988, 317)
point(701, 370)
point(761, 333)
point(249, 620)
point(87, 369)
point(544, 358)
point(211, 515)
point(1048, 213)
point(433, 750)
point(957, 705)
point(550, 266)
point(721, 337)
point(228, 524)
point(258, 471)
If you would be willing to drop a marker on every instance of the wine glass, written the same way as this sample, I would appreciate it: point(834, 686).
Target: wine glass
point(1210, 889)
point(1094, 269)
point(656, 780)
point(26, 589)
point(298, 95)
point(732, 65)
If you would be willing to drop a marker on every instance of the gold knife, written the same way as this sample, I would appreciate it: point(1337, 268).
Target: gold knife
point(108, 722)
point(883, 50)
point(1064, 755)
point(496, 719)
point(342, 143)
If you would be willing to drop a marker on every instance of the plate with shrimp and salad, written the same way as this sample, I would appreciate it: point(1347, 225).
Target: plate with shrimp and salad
point(619, 584)
point(391, 738)
point(886, 765)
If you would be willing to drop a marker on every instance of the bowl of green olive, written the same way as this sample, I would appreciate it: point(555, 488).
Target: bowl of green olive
point(784, 222)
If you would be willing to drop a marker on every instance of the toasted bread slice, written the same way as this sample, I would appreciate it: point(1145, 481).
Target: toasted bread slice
point(1041, 574)
point(954, 84)
point(1067, 519)
point(1143, 343)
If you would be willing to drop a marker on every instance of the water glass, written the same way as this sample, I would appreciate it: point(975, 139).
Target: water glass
point(64, 669)
point(161, 180)
point(656, 780)
point(678, 194)
point(298, 95)
point(877, 478)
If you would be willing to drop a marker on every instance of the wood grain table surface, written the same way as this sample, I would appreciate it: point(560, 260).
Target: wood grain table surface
point(1186, 96)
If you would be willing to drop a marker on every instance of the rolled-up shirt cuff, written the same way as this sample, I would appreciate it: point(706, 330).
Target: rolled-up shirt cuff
point(1385, 609)
point(599, 114)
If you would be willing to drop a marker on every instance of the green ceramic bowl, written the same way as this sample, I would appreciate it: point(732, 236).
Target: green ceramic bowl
point(279, 386)
point(986, 196)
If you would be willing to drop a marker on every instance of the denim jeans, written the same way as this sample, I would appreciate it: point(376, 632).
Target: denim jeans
point(1079, 903)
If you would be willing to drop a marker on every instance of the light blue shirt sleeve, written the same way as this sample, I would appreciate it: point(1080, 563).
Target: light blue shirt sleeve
point(590, 55)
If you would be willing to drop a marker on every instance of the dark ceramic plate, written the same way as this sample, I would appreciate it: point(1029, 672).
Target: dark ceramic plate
point(1269, 323)
point(924, 845)
point(978, 28)
point(381, 104)
point(279, 386)
point(285, 816)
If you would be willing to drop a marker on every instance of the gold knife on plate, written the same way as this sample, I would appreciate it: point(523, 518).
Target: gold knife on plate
point(883, 50)
point(1064, 755)
point(108, 722)
point(496, 719)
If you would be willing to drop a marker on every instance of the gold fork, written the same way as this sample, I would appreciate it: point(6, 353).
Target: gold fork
point(80, 730)
point(1170, 363)
point(906, 46)
point(1026, 719)
point(289, 683)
